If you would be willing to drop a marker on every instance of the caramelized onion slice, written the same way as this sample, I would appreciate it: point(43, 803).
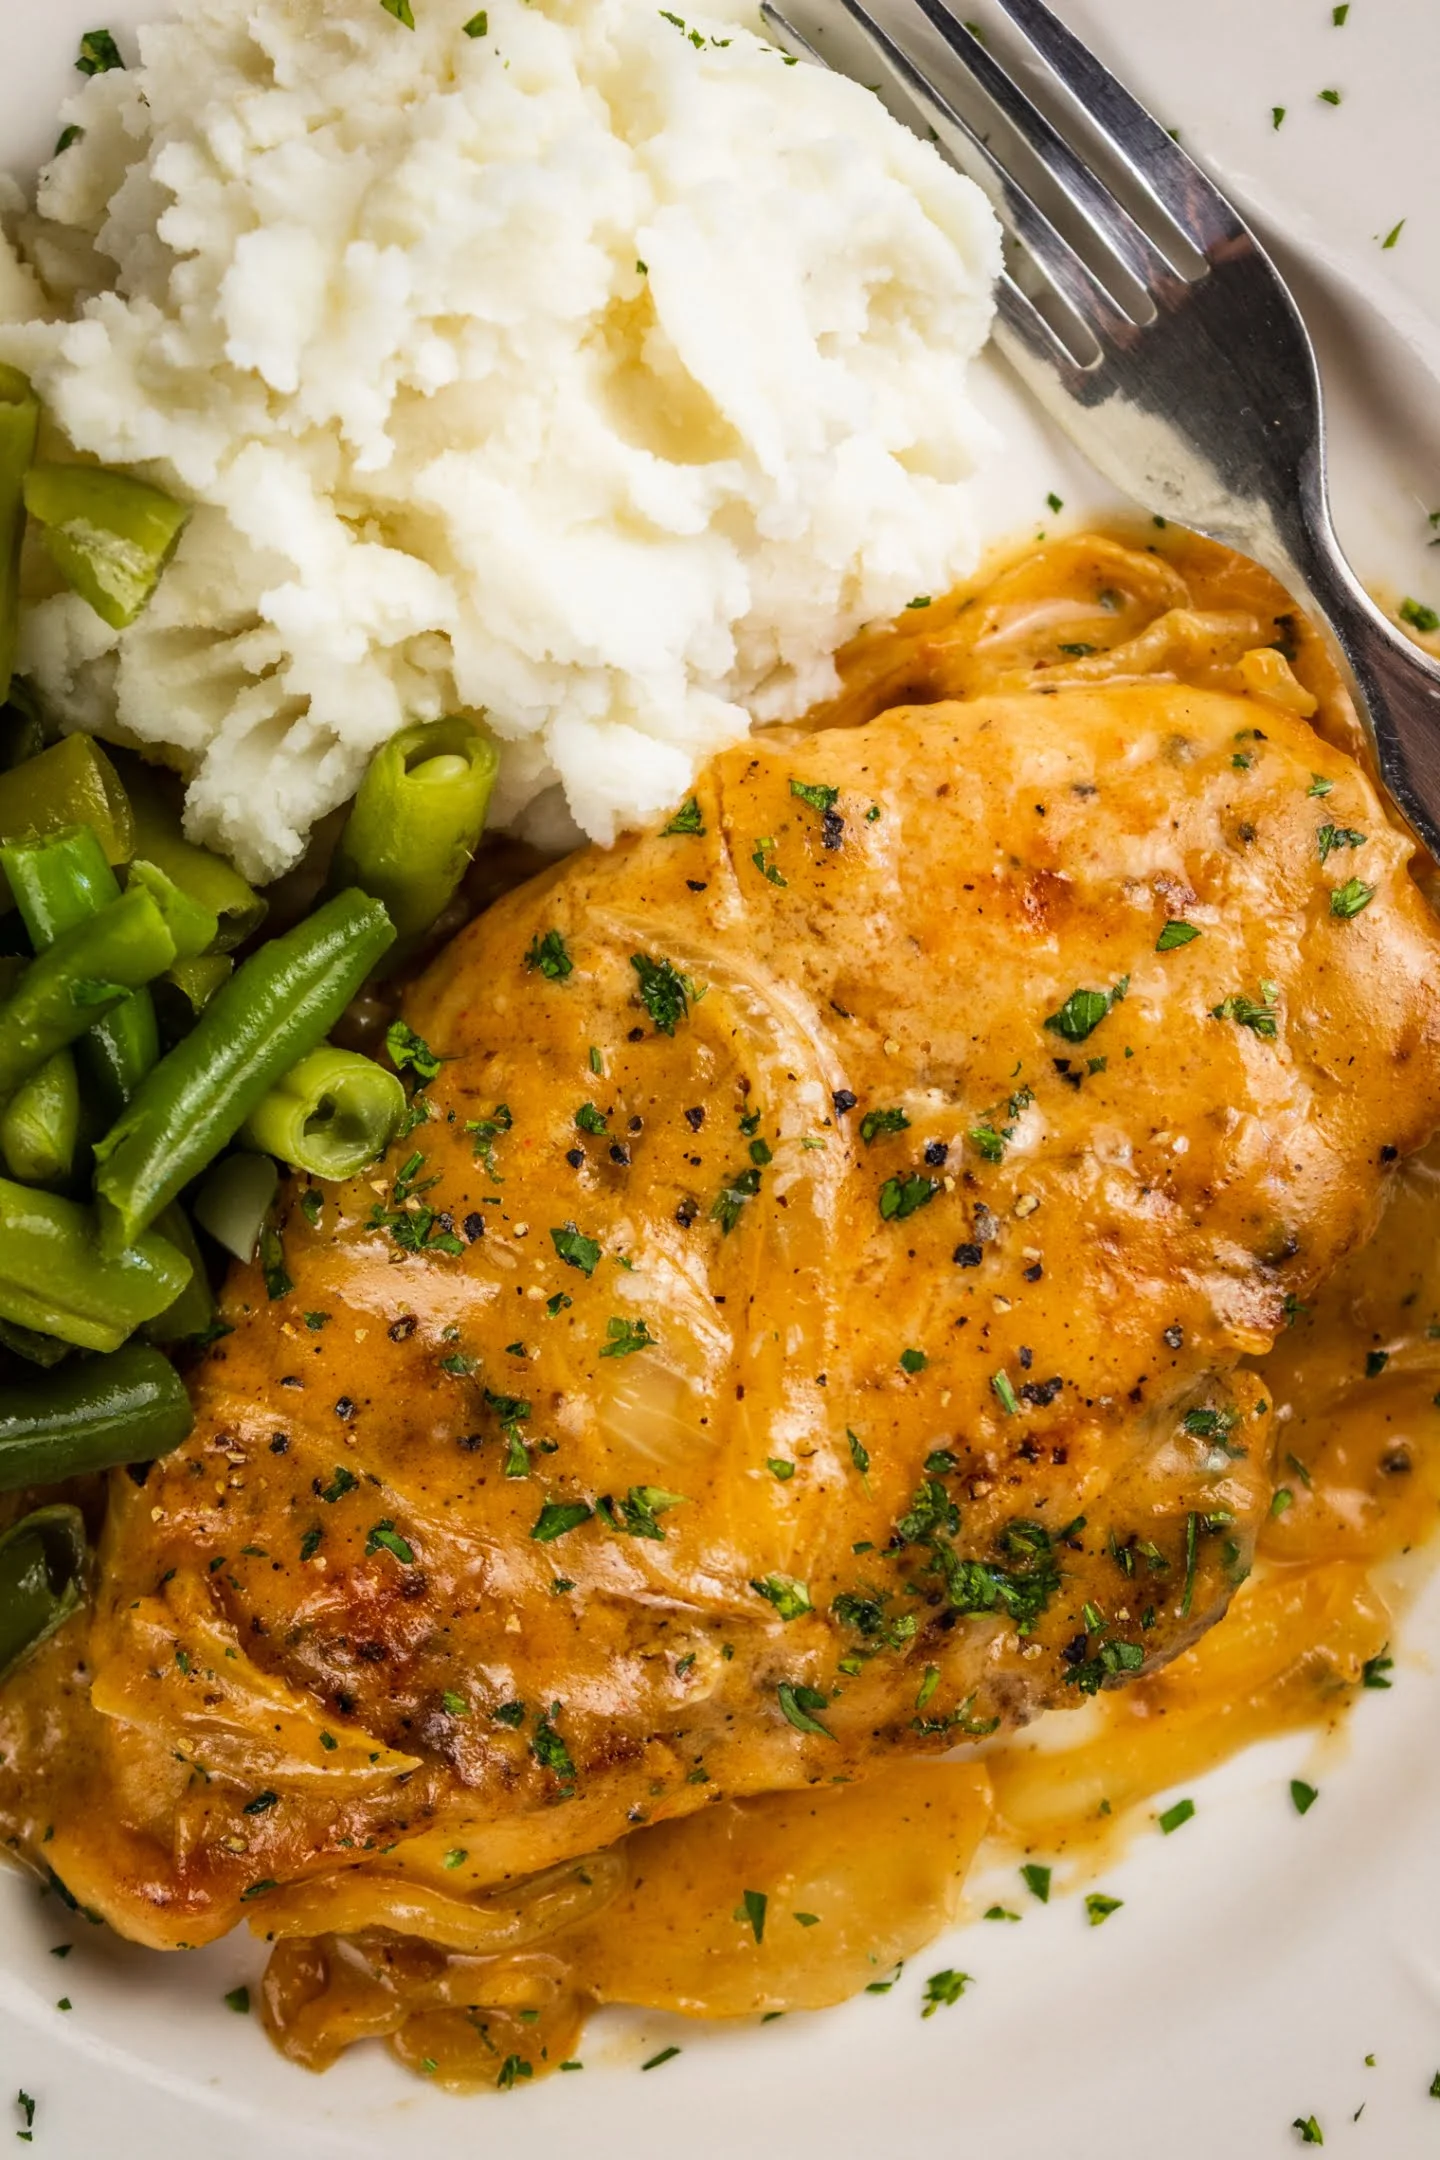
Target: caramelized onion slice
point(508, 1919)
point(853, 1878)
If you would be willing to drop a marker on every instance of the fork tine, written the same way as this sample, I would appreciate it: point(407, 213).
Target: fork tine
point(787, 37)
point(1108, 220)
point(1165, 172)
point(1067, 271)
point(1032, 347)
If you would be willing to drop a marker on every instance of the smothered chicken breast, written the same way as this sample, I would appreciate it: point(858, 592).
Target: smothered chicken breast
point(804, 1326)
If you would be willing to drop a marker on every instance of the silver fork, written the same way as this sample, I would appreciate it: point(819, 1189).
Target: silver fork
point(1176, 359)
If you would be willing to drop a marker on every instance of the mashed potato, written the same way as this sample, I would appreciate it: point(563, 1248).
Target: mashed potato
point(580, 363)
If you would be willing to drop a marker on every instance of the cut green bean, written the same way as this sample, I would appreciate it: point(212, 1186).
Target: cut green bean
point(40, 1126)
point(23, 1342)
point(110, 536)
point(77, 980)
point(59, 882)
point(280, 1004)
point(417, 820)
point(22, 732)
point(42, 1580)
point(194, 1309)
point(208, 878)
point(19, 423)
point(332, 1114)
point(55, 1278)
point(71, 783)
point(94, 1415)
point(235, 1199)
point(193, 926)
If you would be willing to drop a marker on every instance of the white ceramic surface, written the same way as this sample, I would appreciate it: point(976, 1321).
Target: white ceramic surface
point(1259, 1958)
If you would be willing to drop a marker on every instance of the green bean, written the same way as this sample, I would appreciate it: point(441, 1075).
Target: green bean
point(95, 1415)
point(207, 878)
point(40, 1126)
point(331, 1114)
point(71, 783)
point(19, 422)
point(59, 882)
point(22, 732)
point(278, 1005)
point(185, 990)
point(194, 1309)
point(109, 535)
point(234, 1199)
point(42, 1580)
point(417, 820)
point(193, 926)
point(55, 1278)
point(23, 1342)
point(77, 980)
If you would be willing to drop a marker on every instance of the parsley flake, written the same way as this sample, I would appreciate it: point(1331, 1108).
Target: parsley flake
point(551, 956)
point(575, 1249)
point(687, 820)
point(625, 1337)
point(98, 54)
point(900, 1197)
point(944, 1988)
point(666, 994)
point(1176, 934)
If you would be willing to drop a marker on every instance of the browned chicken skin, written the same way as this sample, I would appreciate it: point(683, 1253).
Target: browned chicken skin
point(805, 1328)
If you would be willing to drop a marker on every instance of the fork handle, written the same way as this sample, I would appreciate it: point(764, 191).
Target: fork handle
point(1397, 683)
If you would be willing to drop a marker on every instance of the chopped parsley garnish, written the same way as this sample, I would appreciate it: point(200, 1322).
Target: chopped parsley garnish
point(666, 2054)
point(550, 956)
point(454, 1705)
point(310, 1543)
point(1277, 115)
point(1078, 651)
point(987, 1142)
point(401, 10)
point(625, 1337)
point(900, 1197)
point(1004, 1393)
point(343, 1481)
point(272, 1265)
point(1328, 97)
point(1083, 1010)
point(666, 994)
point(789, 1597)
point(1394, 234)
point(1176, 934)
point(558, 1517)
point(1330, 837)
point(635, 1515)
point(1419, 616)
point(550, 1751)
point(1374, 1670)
point(1349, 899)
point(509, 1713)
point(686, 822)
point(859, 1454)
point(1174, 1816)
point(478, 25)
point(589, 1119)
point(1319, 785)
point(818, 797)
point(781, 1470)
point(760, 856)
point(485, 1131)
point(1100, 1908)
point(1037, 1880)
point(1054, 503)
point(238, 2000)
point(1304, 1796)
point(913, 1361)
point(1257, 1014)
point(410, 1052)
point(944, 1988)
point(753, 1908)
point(876, 1122)
point(798, 1704)
point(1310, 2131)
point(98, 54)
point(575, 1249)
point(731, 1198)
point(385, 1537)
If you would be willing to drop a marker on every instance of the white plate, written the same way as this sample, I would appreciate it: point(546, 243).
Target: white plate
point(1259, 1959)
